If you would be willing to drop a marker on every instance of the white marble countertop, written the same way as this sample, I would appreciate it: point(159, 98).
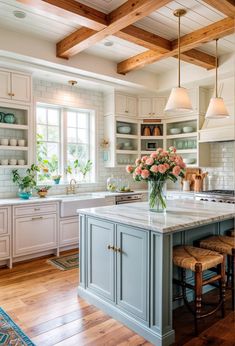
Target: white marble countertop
point(78, 196)
point(180, 215)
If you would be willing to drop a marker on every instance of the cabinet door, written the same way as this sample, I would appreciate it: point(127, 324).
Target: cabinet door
point(4, 220)
point(5, 85)
point(158, 104)
point(69, 231)
point(100, 261)
point(145, 107)
point(21, 87)
point(121, 104)
point(4, 247)
point(34, 234)
point(131, 104)
point(132, 270)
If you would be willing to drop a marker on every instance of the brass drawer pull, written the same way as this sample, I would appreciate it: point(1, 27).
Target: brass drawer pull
point(118, 250)
point(35, 209)
point(37, 218)
point(111, 247)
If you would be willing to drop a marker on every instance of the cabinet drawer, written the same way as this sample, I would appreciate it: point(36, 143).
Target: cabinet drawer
point(69, 231)
point(35, 209)
point(34, 234)
point(4, 220)
point(4, 247)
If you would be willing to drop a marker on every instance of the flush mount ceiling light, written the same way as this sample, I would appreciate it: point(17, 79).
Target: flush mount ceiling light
point(179, 100)
point(19, 14)
point(216, 108)
point(72, 82)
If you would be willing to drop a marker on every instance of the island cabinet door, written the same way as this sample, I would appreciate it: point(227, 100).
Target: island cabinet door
point(132, 271)
point(101, 258)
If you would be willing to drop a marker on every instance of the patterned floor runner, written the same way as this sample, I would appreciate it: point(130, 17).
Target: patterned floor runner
point(65, 262)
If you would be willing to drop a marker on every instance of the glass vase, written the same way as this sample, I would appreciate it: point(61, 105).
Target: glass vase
point(25, 192)
point(157, 196)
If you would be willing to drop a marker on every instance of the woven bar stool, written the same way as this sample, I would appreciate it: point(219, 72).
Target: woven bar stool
point(198, 260)
point(232, 233)
point(226, 246)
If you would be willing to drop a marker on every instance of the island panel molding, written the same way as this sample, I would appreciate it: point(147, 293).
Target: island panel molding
point(154, 248)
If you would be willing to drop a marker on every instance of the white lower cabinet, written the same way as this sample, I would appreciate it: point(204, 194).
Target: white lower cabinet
point(4, 247)
point(69, 231)
point(34, 234)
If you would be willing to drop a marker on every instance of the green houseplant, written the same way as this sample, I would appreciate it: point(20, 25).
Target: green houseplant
point(27, 182)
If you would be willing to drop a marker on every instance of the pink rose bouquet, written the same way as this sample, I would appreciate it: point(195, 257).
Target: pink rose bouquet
point(157, 168)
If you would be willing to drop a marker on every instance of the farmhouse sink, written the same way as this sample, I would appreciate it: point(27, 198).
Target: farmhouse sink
point(71, 203)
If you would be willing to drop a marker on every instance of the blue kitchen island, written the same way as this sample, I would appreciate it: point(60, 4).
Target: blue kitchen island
point(126, 259)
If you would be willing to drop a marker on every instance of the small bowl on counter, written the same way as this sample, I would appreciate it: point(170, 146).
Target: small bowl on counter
point(188, 129)
point(175, 131)
point(125, 130)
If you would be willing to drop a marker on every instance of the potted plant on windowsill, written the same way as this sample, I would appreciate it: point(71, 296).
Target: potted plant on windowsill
point(26, 183)
point(84, 168)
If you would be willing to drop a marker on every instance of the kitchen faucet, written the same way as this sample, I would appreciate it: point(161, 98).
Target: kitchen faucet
point(72, 187)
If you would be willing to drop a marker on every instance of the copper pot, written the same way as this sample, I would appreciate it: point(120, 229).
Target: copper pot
point(146, 131)
point(156, 131)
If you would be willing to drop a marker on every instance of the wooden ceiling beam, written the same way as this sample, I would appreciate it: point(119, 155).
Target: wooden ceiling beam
point(123, 16)
point(71, 10)
point(190, 41)
point(144, 38)
point(227, 7)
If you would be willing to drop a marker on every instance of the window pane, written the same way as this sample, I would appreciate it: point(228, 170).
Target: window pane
point(41, 115)
point(82, 136)
point(71, 119)
point(42, 130)
point(52, 149)
point(53, 133)
point(72, 135)
point(53, 116)
point(82, 153)
point(82, 120)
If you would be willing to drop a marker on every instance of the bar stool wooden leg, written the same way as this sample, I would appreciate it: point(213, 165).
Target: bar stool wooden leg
point(233, 279)
point(198, 295)
point(222, 287)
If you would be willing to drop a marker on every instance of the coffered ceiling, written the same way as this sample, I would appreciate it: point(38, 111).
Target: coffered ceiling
point(161, 22)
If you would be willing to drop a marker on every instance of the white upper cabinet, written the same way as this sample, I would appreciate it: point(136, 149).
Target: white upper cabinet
point(120, 104)
point(15, 86)
point(125, 105)
point(151, 106)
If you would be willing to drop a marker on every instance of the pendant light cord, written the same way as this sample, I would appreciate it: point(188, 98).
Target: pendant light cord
point(179, 52)
point(216, 68)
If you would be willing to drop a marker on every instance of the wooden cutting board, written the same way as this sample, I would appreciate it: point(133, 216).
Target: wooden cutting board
point(188, 175)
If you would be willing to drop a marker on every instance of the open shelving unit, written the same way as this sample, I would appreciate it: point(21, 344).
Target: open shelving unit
point(17, 130)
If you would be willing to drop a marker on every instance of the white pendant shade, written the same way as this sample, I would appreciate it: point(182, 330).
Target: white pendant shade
point(179, 101)
point(216, 109)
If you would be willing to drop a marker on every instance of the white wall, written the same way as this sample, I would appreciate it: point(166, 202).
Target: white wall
point(45, 91)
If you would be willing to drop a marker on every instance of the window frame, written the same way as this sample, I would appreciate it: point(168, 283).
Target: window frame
point(92, 125)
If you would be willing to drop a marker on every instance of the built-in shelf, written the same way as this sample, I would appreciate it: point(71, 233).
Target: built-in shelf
point(11, 147)
point(182, 135)
point(13, 166)
point(125, 136)
point(151, 137)
point(134, 152)
point(186, 151)
point(13, 126)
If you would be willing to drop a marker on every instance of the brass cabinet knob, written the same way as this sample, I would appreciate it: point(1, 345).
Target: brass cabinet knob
point(12, 94)
point(111, 247)
point(118, 249)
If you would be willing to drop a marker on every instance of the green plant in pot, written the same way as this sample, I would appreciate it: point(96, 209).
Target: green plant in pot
point(27, 182)
point(84, 168)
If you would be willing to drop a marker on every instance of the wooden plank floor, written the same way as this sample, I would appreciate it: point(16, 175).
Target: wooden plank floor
point(43, 301)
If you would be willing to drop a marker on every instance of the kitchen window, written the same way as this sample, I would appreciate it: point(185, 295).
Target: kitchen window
point(65, 143)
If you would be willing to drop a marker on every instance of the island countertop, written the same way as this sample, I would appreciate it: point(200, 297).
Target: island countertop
point(180, 215)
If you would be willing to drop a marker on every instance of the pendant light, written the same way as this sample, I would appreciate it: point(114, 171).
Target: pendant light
point(216, 108)
point(179, 100)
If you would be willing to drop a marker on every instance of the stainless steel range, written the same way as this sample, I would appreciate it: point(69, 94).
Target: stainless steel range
point(223, 196)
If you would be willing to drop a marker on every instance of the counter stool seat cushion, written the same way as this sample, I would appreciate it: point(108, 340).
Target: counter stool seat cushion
point(222, 244)
point(188, 256)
